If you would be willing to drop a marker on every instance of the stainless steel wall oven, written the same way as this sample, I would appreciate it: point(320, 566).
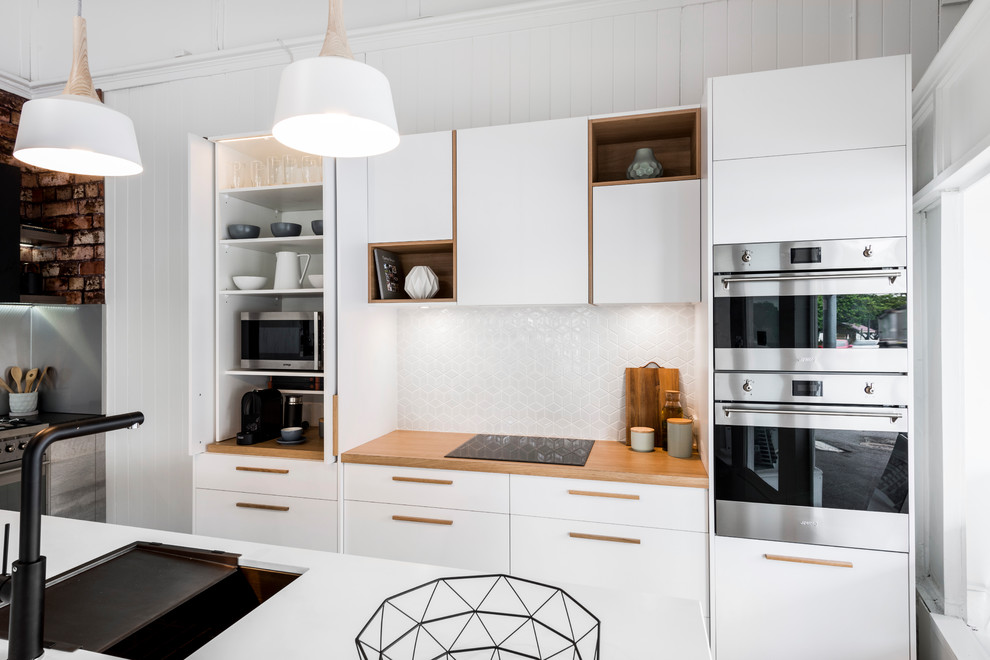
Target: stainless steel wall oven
point(811, 306)
point(817, 459)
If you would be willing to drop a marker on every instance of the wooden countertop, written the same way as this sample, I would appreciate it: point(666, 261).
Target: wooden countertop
point(312, 449)
point(609, 460)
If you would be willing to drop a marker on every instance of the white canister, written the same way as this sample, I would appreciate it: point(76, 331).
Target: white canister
point(641, 438)
point(679, 437)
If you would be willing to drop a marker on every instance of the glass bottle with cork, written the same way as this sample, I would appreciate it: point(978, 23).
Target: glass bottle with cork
point(671, 408)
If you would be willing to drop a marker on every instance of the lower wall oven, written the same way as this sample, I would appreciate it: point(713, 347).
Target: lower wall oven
point(812, 458)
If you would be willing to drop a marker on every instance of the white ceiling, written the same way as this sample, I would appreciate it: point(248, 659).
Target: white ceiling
point(36, 35)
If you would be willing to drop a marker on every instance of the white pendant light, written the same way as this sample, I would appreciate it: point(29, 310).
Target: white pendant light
point(74, 132)
point(333, 105)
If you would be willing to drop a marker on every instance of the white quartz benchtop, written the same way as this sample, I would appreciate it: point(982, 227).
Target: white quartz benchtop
point(320, 614)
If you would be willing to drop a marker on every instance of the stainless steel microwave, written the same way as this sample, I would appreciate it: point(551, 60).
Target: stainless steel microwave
point(282, 340)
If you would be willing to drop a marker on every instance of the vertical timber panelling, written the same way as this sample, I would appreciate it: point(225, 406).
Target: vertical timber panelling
point(646, 55)
point(630, 61)
point(149, 471)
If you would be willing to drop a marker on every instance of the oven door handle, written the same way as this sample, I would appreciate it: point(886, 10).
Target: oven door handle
point(892, 275)
point(893, 415)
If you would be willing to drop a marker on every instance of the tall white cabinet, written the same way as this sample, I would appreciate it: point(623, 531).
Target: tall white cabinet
point(808, 154)
point(272, 498)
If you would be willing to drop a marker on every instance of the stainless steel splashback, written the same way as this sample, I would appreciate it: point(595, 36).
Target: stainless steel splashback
point(69, 340)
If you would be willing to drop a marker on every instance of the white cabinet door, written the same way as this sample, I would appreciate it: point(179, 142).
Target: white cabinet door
point(647, 243)
point(847, 105)
point(778, 610)
point(410, 190)
point(661, 561)
point(445, 537)
point(522, 214)
point(299, 522)
point(832, 195)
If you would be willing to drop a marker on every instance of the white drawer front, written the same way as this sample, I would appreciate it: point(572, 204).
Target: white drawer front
point(294, 521)
point(661, 561)
point(274, 476)
point(789, 608)
point(668, 507)
point(445, 537)
point(449, 489)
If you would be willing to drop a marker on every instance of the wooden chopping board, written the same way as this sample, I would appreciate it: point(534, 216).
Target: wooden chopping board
point(643, 399)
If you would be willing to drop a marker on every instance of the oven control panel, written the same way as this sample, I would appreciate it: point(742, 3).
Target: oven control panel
point(810, 255)
point(851, 389)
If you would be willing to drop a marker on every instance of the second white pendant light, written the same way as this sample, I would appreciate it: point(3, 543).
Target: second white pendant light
point(74, 132)
point(333, 105)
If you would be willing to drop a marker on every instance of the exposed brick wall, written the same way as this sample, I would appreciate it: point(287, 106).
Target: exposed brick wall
point(69, 203)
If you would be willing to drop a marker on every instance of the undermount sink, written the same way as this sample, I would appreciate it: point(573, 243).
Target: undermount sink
point(151, 601)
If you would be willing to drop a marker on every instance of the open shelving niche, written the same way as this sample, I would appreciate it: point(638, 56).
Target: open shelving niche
point(293, 202)
point(440, 256)
point(673, 135)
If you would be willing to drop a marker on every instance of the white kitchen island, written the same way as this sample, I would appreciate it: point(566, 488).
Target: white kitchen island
point(320, 613)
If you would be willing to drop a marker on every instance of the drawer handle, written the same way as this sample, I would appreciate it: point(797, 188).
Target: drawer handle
point(431, 521)
point(266, 507)
point(591, 493)
point(417, 480)
point(804, 560)
point(599, 537)
point(241, 468)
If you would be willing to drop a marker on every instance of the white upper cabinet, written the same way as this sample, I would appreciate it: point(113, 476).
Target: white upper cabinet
point(410, 190)
point(833, 195)
point(647, 243)
point(522, 214)
point(848, 105)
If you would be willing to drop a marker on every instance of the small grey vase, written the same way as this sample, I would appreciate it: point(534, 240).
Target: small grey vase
point(644, 165)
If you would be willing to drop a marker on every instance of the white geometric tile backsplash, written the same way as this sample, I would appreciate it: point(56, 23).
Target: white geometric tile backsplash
point(555, 371)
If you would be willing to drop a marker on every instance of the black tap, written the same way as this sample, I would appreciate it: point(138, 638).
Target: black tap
point(27, 592)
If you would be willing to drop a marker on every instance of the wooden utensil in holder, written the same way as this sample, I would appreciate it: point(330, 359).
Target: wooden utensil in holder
point(642, 403)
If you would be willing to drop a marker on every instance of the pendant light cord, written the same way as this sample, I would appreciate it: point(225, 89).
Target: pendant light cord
point(79, 8)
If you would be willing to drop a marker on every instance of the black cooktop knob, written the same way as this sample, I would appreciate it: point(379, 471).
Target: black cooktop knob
point(9, 448)
point(22, 445)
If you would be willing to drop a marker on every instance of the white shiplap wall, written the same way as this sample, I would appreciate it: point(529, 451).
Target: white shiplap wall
point(648, 54)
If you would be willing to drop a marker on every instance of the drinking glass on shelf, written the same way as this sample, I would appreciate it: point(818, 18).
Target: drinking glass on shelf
point(274, 170)
point(237, 170)
point(259, 176)
point(289, 169)
point(312, 170)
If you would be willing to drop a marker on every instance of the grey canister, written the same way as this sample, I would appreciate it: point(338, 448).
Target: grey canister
point(679, 437)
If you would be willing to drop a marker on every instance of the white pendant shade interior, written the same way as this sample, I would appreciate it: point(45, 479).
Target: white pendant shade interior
point(333, 105)
point(74, 132)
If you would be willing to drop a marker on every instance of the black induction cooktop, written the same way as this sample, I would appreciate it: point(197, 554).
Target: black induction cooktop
point(525, 449)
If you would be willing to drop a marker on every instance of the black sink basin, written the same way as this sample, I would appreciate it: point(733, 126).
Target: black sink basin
point(150, 601)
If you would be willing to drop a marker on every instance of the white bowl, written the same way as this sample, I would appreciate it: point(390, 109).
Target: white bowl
point(23, 403)
point(250, 282)
point(315, 281)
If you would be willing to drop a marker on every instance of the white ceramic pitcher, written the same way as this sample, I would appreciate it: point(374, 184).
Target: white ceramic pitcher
point(290, 269)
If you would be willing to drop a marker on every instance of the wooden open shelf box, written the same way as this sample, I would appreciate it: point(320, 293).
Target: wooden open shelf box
point(440, 256)
point(674, 137)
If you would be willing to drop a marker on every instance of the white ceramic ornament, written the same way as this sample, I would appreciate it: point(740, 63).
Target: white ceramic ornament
point(422, 282)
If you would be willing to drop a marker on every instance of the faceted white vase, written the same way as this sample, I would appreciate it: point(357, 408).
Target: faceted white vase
point(422, 282)
point(644, 165)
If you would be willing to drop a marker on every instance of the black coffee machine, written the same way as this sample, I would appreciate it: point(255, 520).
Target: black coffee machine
point(261, 416)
